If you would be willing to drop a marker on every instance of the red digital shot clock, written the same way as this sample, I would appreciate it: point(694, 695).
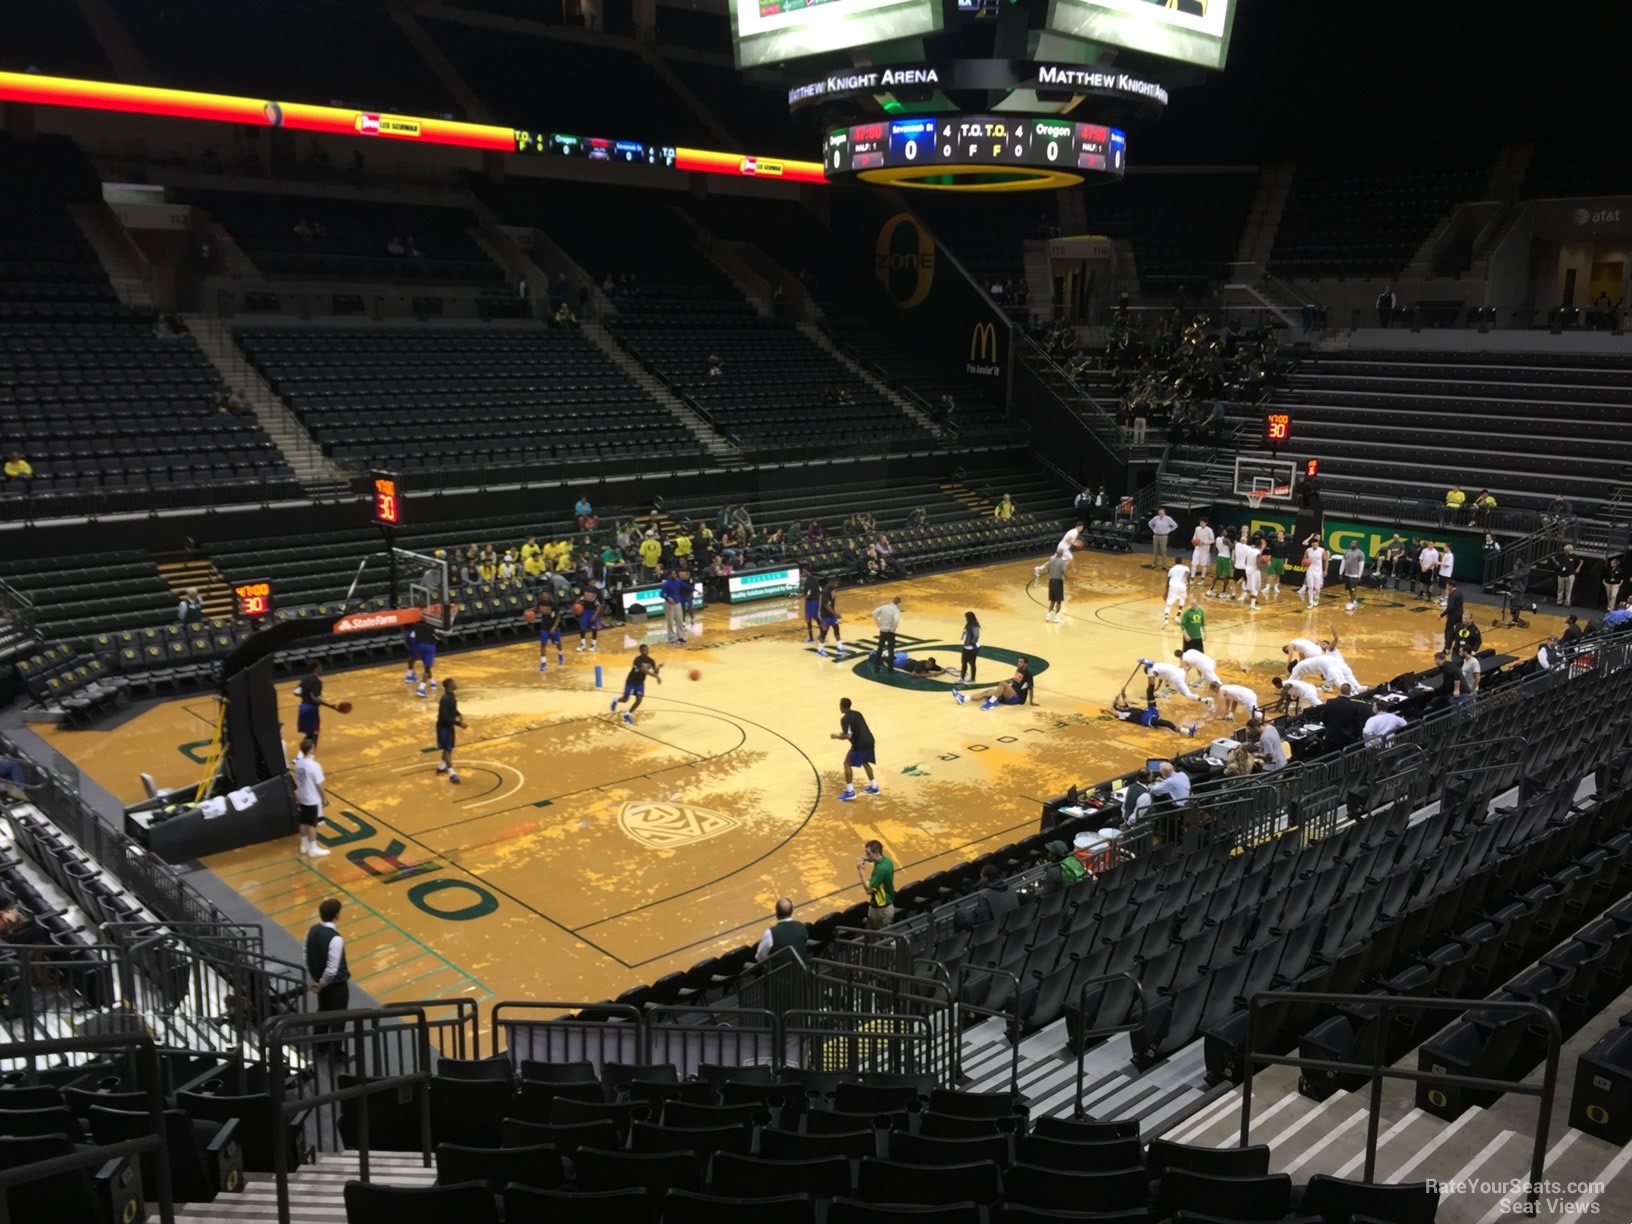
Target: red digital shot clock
point(387, 500)
point(1278, 428)
point(252, 598)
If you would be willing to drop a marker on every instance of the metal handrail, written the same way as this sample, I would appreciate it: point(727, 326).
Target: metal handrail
point(1089, 1036)
point(157, 1141)
point(318, 1028)
point(1013, 1018)
point(1377, 1072)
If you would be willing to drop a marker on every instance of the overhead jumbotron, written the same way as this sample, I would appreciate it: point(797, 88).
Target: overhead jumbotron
point(981, 96)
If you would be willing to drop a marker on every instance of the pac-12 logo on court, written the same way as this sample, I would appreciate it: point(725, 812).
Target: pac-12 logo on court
point(664, 826)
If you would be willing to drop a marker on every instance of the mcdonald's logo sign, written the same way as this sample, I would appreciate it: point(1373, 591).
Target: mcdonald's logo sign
point(984, 357)
point(906, 275)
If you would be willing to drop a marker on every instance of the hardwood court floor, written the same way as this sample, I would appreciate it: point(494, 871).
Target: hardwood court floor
point(582, 856)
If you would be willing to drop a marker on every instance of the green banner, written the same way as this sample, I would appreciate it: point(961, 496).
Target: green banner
point(1340, 533)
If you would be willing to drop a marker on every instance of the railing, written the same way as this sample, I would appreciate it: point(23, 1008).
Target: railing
point(560, 1031)
point(389, 1059)
point(1100, 423)
point(689, 1036)
point(1011, 1014)
point(1376, 1071)
point(51, 988)
point(16, 610)
point(141, 1051)
point(1091, 1036)
point(1546, 539)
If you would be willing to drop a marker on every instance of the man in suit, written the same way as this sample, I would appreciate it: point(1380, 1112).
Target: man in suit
point(1345, 718)
point(326, 968)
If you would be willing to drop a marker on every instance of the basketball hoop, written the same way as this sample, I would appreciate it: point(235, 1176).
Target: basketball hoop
point(1255, 500)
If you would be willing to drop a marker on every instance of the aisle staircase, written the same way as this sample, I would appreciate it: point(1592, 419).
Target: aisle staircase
point(199, 574)
point(126, 267)
point(311, 467)
point(710, 439)
point(824, 342)
point(978, 505)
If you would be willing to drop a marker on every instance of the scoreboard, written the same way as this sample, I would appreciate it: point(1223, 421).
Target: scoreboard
point(926, 146)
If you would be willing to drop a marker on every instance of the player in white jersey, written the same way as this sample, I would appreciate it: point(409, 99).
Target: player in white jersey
point(1069, 543)
point(1201, 548)
point(1314, 570)
point(1447, 571)
point(1427, 570)
point(1204, 665)
point(1240, 556)
point(1178, 589)
point(1234, 696)
point(1302, 648)
point(1322, 669)
point(1345, 673)
point(1172, 675)
point(1296, 695)
point(1256, 561)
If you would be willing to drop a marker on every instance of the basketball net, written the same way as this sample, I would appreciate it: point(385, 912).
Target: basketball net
point(1255, 500)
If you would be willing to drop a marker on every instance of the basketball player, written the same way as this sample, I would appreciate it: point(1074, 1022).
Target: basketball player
point(1447, 571)
point(308, 798)
point(1256, 564)
point(308, 718)
point(1277, 563)
point(828, 615)
point(412, 647)
point(1296, 695)
point(1201, 547)
point(1205, 667)
point(1178, 587)
point(1427, 570)
point(861, 753)
point(1242, 559)
point(549, 630)
point(447, 718)
point(1321, 669)
point(1056, 567)
point(1223, 568)
point(589, 620)
point(1067, 545)
point(1171, 675)
point(1149, 716)
point(1302, 648)
point(425, 639)
point(813, 604)
point(1234, 696)
point(1314, 570)
point(1345, 673)
point(1018, 689)
point(635, 686)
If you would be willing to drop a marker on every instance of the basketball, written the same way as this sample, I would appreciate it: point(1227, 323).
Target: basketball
point(529, 616)
point(344, 707)
point(695, 673)
point(577, 609)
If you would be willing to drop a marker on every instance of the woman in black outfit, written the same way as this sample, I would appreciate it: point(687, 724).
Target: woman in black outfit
point(971, 647)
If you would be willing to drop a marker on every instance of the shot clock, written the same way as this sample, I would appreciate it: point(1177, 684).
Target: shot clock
point(1277, 429)
point(252, 598)
point(387, 499)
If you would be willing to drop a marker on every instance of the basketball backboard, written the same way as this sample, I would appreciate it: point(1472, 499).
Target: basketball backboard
point(428, 586)
point(1265, 476)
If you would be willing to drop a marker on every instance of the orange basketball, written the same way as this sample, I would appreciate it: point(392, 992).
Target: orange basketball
point(344, 707)
point(695, 673)
point(577, 609)
point(529, 616)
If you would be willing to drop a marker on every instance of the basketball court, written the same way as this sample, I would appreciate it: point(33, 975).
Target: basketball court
point(582, 856)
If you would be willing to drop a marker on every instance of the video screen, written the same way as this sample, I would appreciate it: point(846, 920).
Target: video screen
point(770, 31)
point(1192, 31)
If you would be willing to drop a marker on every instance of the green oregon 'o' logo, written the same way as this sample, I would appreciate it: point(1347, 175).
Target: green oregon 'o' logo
point(996, 665)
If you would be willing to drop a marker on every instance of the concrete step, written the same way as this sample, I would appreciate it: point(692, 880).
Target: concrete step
point(710, 440)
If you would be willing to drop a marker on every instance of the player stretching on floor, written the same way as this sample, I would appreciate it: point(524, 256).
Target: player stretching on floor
point(549, 631)
point(853, 727)
point(1204, 665)
point(1318, 669)
point(635, 686)
point(447, 718)
point(1178, 588)
point(1171, 675)
point(1150, 716)
point(829, 615)
point(1018, 689)
point(1302, 648)
point(1234, 696)
point(1296, 695)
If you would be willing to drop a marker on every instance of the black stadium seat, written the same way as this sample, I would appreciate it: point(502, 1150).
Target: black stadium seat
point(540, 1167)
point(688, 1207)
point(525, 1205)
point(740, 1176)
point(371, 1203)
